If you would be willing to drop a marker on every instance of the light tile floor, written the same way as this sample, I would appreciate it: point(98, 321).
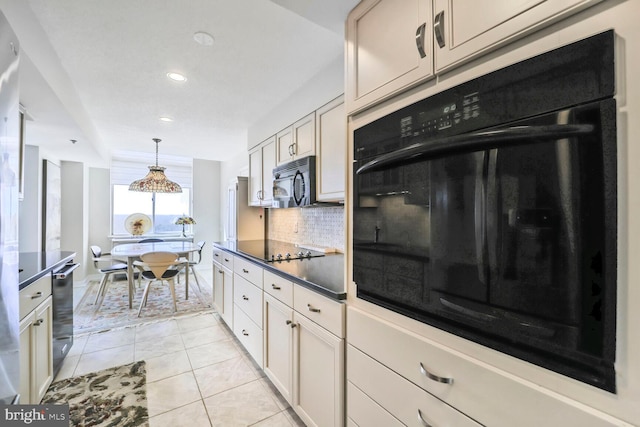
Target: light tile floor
point(198, 374)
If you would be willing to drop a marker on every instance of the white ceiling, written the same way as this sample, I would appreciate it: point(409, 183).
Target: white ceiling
point(95, 70)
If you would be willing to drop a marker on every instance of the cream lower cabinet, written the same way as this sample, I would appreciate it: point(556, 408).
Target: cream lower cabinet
point(223, 293)
point(410, 377)
point(304, 350)
point(36, 351)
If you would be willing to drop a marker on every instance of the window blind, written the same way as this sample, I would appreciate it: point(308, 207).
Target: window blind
point(126, 167)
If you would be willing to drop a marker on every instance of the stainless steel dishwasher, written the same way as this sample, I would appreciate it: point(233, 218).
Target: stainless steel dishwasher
point(62, 291)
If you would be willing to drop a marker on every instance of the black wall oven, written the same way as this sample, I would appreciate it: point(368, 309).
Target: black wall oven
point(489, 210)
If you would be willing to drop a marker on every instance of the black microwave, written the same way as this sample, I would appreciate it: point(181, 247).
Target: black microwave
point(294, 183)
point(489, 211)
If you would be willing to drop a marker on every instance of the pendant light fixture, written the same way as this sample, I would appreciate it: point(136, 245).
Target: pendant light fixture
point(155, 181)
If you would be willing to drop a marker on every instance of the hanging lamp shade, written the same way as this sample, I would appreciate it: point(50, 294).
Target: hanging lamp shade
point(155, 181)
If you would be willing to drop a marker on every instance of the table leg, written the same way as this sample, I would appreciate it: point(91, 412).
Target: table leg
point(130, 279)
point(186, 281)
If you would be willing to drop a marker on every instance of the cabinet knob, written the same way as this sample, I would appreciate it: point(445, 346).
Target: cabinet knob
point(245, 333)
point(434, 377)
point(420, 40)
point(245, 271)
point(438, 28)
point(288, 322)
point(220, 271)
point(273, 286)
point(38, 322)
point(244, 297)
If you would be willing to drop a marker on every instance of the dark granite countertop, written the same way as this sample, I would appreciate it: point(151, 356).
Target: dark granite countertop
point(34, 265)
point(324, 274)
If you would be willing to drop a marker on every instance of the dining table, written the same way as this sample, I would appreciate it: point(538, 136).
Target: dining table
point(132, 252)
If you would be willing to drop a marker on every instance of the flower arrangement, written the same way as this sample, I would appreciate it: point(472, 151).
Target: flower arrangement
point(184, 220)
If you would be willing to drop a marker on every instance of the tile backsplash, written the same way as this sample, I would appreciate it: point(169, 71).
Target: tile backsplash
point(317, 226)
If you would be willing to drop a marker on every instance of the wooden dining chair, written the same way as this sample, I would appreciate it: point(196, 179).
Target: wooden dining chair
point(157, 267)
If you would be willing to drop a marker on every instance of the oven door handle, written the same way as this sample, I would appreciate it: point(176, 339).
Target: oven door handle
point(474, 141)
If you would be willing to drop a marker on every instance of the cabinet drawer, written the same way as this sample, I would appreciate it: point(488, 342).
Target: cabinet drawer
point(223, 258)
point(477, 390)
point(403, 399)
point(363, 411)
point(280, 288)
point(248, 270)
point(249, 298)
point(249, 335)
point(34, 294)
point(323, 311)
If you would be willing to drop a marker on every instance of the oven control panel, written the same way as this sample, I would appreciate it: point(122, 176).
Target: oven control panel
point(433, 121)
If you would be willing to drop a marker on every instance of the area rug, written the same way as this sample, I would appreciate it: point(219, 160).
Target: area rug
point(114, 311)
point(115, 397)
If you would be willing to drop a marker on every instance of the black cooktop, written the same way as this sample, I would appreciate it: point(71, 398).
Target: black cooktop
point(274, 250)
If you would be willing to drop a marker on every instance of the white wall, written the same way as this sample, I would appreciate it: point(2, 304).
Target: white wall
point(326, 85)
point(99, 211)
point(206, 204)
point(75, 221)
point(30, 230)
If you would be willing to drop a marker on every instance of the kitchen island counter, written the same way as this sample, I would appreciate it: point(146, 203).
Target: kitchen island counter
point(34, 265)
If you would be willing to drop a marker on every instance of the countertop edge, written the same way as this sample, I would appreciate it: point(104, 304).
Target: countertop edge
point(66, 257)
point(338, 296)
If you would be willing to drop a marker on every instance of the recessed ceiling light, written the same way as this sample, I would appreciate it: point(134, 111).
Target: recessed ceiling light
point(166, 119)
point(205, 39)
point(177, 77)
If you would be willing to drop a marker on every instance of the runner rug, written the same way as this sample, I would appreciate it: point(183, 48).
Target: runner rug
point(114, 311)
point(114, 397)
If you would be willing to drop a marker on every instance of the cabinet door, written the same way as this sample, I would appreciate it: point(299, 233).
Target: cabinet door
point(284, 145)
point(278, 345)
point(268, 163)
point(227, 297)
point(255, 176)
point(218, 288)
point(331, 151)
point(389, 49)
point(27, 367)
point(43, 327)
point(318, 374)
point(464, 30)
point(304, 136)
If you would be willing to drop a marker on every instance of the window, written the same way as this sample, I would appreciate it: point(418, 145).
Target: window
point(162, 208)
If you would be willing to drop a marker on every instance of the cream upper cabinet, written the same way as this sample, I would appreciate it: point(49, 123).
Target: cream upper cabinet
point(331, 151)
point(389, 49)
point(262, 160)
point(465, 29)
point(297, 140)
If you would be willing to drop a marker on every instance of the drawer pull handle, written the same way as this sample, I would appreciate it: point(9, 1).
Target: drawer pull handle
point(38, 322)
point(226, 260)
point(443, 380)
point(421, 420)
point(36, 295)
point(244, 297)
point(216, 254)
point(220, 271)
point(245, 333)
point(273, 286)
point(313, 309)
point(245, 270)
